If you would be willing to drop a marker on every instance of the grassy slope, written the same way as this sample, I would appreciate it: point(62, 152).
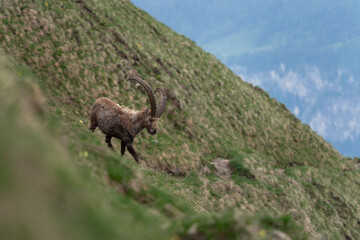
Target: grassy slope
point(43, 194)
point(56, 182)
point(80, 50)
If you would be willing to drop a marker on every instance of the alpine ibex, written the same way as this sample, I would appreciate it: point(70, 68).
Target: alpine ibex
point(123, 123)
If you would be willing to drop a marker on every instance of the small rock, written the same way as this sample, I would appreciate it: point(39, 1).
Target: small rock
point(173, 211)
point(204, 170)
point(280, 235)
point(222, 167)
point(193, 229)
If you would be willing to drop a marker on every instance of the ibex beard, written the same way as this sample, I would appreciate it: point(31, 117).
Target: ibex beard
point(124, 123)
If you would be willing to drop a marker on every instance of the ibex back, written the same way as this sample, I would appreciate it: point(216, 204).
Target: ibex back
point(124, 123)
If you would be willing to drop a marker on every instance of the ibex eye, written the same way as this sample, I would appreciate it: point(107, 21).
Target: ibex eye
point(151, 119)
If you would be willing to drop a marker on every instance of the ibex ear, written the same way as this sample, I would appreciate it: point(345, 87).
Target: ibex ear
point(147, 111)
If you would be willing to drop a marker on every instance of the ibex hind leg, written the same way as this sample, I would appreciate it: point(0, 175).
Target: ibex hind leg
point(93, 121)
point(123, 147)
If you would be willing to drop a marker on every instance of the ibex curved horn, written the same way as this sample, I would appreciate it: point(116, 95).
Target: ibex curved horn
point(149, 92)
point(162, 102)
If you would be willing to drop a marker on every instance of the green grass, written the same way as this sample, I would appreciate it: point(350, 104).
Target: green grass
point(239, 171)
point(233, 226)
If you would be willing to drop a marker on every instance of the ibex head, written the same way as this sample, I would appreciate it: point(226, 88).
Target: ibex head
point(156, 109)
point(151, 124)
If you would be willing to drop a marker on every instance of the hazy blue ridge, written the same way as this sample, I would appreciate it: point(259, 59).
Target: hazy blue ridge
point(304, 53)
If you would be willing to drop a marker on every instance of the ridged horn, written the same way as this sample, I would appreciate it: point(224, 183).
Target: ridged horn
point(149, 92)
point(162, 102)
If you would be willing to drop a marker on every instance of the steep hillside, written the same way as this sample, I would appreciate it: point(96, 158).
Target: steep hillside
point(42, 195)
point(56, 182)
point(81, 50)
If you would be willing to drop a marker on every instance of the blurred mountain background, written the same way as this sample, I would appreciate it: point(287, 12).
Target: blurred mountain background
point(303, 53)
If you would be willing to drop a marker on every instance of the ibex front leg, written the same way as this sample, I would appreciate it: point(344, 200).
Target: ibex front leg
point(132, 151)
point(108, 141)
